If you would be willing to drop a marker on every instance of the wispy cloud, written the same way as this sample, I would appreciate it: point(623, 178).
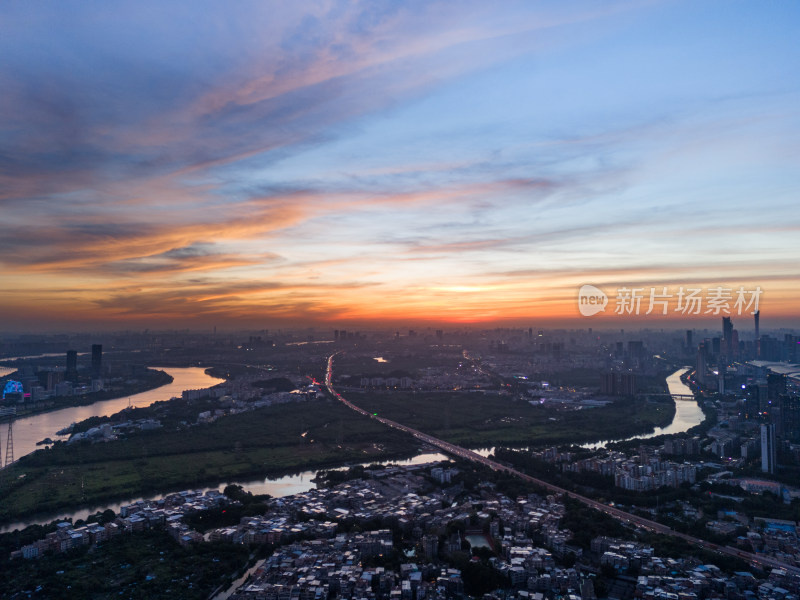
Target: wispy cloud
point(362, 160)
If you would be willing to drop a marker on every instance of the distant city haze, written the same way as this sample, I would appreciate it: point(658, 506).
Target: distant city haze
point(270, 164)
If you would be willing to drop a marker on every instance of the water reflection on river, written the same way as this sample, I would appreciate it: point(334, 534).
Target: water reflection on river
point(277, 488)
point(29, 430)
point(687, 415)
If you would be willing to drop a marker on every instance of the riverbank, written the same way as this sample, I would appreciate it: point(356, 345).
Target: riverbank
point(276, 485)
point(30, 430)
point(285, 438)
point(688, 414)
point(310, 469)
point(279, 439)
point(483, 420)
point(155, 379)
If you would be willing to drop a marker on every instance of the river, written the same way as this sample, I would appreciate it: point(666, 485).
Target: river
point(29, 430)
point(687, 415)
point(277, 487)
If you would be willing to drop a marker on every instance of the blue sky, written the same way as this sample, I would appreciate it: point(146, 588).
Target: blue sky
point(330, 162)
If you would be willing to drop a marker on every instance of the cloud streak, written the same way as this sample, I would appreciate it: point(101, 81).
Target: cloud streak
point(368, 161)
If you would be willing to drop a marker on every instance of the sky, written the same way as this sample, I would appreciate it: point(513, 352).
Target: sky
point(258, 164)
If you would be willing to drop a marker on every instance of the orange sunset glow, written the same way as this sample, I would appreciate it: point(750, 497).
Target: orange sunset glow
point(329, 163)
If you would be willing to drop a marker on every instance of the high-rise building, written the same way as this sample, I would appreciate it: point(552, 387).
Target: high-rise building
point(768, 452)
point(790, 417)
point(618, 384)
point(608, 384)
point(769, 348)
point(790, 345)
point(727, 336)
point(702, 363)
point(53, 379)
point(97, 361)
point(776, 385)
point(72, 366)
point(688, 339)
point(752, 405)
point(430, 545)
point(756, 316)
point(627, 384)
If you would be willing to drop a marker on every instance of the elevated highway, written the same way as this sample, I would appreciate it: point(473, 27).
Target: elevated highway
point(626, 517)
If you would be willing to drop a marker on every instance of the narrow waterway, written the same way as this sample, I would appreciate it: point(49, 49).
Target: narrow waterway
point(277, 487)
point(688, 413)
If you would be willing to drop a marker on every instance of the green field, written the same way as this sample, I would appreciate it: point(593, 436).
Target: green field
point(299, 436)
point(256, 443)
point(474, 419)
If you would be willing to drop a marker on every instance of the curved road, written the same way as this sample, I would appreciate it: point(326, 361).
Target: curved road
point(625, 517)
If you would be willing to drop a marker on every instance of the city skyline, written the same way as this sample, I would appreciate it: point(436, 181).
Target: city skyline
point(336, 163)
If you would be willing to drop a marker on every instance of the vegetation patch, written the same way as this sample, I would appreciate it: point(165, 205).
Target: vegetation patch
point(476, 419)
point(262, 442)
